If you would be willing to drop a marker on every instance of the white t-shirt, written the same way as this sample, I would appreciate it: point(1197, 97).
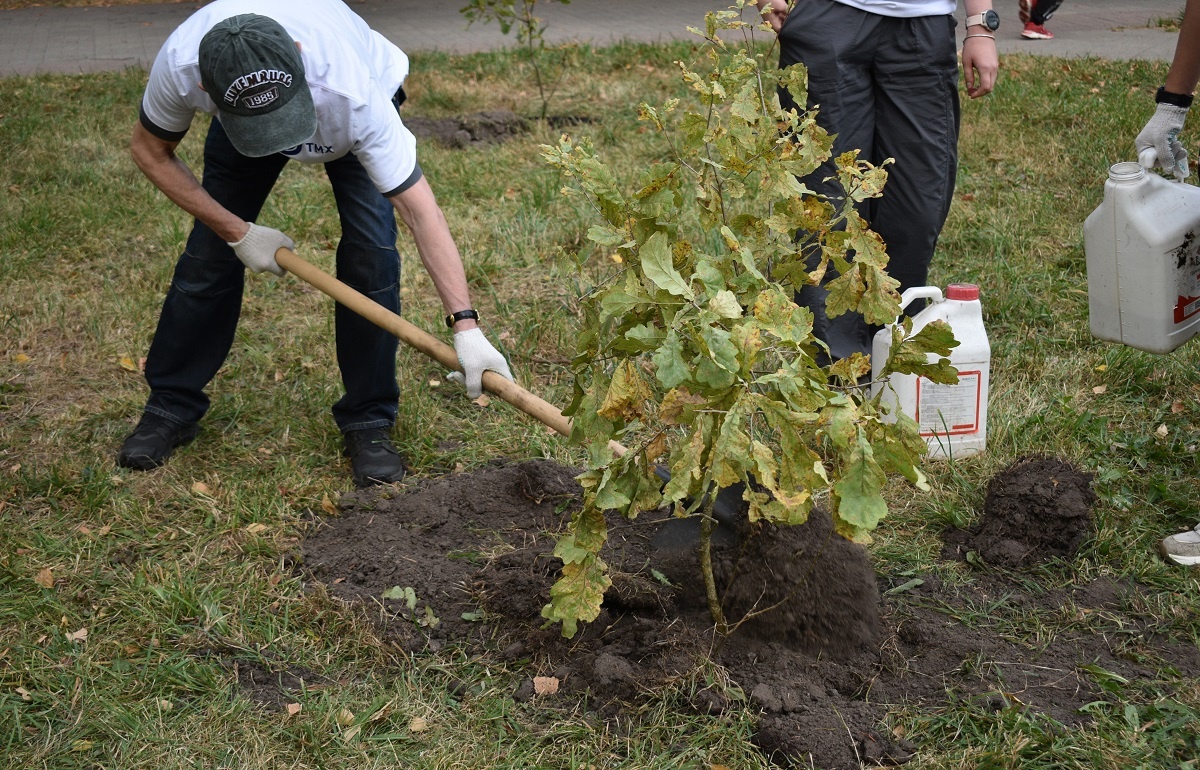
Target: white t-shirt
point(352, 72)
point(904, 9)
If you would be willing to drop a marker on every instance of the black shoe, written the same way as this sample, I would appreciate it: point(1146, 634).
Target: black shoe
point(373, 457)
point(152, 442)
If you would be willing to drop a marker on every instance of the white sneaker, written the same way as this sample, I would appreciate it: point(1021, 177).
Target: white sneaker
point(1183, 548)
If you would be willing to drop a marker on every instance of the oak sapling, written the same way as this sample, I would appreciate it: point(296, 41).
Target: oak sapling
point(693, 352)
point(531, 35)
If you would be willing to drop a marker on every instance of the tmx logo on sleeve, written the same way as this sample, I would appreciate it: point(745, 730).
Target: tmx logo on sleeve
point(258, 99)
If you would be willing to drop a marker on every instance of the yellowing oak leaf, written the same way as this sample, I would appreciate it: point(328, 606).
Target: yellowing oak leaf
point(627, 394)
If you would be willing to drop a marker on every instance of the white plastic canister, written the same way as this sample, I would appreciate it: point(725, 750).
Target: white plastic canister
point(952, 418)
point(1142, 245)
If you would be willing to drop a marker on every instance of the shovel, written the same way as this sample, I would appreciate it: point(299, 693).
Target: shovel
point(727, 508)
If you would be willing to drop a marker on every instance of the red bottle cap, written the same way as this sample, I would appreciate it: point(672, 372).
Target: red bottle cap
point(962, 291)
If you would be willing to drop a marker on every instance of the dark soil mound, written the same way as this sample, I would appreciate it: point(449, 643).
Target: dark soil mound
point(479, 128)
point(465, 560)
point(1037, 509)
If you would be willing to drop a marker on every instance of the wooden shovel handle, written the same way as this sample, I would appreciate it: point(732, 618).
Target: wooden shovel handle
point(431, 346)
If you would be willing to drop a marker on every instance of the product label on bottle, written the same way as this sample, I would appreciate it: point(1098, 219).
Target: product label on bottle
point(949, 410)
point(1187, 272)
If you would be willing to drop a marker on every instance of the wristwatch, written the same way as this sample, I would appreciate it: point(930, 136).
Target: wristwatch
point(454, 318)
point(988, 18)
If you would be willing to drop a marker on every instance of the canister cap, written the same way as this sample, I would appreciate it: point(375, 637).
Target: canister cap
point(962, 291)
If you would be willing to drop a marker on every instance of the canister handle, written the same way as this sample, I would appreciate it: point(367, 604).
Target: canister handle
point(919, 292)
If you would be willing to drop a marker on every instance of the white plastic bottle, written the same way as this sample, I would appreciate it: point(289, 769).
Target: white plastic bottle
point(1142, 245)
point(952, 418)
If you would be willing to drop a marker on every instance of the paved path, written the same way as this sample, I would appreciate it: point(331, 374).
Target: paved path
point(80, 40)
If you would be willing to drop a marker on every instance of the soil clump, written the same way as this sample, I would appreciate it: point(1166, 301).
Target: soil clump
point(466, 560)
point(1038, 508)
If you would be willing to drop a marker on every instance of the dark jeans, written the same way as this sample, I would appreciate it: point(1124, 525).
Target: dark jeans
point(887, 87)
point(200, 314)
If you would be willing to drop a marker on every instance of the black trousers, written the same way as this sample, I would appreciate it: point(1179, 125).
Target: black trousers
point(887, 87)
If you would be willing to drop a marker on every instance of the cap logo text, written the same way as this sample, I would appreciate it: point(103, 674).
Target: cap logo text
point(254, 80)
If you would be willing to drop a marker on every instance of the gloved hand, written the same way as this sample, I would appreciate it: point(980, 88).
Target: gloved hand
point(1161, 134)
point(257, 249)
point(476, 354)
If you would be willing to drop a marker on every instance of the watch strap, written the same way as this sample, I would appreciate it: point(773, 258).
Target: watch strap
point(980, 19)
point(454, 318)
point(1175, 100)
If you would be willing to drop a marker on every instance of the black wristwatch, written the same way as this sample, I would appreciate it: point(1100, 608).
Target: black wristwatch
point(988, 18)
point(454, 318)
point(1175, 100)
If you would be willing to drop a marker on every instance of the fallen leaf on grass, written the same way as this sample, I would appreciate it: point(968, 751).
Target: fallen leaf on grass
point(1177, 407)
point(1162, 431)
point(328, 506)
point(200, 488)
point(21, 358)
point(345, 717)
point(44, 578)
point(25, 694)
point(127, 364)
point(483, 400)
point(77, 636)
point(1100, 389)
point(418, 725)
point(293, 709)
point(545, 685)
point(255, 528)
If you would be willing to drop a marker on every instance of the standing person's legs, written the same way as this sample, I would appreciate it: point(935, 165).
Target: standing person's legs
point(367, 260)
point(836, 44)
point(1042, 10)
point(917, 123)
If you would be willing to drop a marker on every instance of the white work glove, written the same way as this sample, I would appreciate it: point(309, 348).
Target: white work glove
point(476, 354)
point(257, 249)
point(1161, 135)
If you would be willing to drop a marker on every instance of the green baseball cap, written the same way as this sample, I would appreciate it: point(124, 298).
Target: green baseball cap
point(252, 69)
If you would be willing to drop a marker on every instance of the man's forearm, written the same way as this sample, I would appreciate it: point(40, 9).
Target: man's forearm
point(1185, 67)
point(157, 160)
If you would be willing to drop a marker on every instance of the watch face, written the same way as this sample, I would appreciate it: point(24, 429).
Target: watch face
point(991, 20)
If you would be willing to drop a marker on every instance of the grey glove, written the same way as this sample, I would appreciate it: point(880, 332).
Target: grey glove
point(475, 355)
point(1161, 135)
point(257, 249)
